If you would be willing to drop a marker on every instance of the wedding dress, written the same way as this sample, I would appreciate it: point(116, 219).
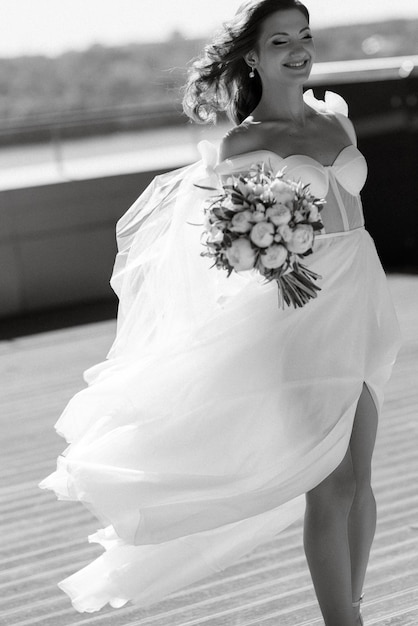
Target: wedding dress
point(215, 410)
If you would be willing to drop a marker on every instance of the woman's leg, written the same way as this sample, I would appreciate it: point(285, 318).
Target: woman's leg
point(327, 546)
point(340, 522)
point(362, 518)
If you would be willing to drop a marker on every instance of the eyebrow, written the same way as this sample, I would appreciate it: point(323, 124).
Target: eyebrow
point(301, 31)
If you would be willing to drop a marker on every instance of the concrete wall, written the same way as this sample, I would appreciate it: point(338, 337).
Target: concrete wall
point(57, 242)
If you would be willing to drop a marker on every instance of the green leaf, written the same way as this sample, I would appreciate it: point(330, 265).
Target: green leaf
point(204, 187)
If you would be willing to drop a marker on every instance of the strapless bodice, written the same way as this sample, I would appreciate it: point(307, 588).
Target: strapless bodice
point(339, 183)
point(349, 168)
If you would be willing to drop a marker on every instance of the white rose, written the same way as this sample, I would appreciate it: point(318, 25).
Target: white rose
point(279, 214)
point(285, 232)
point(241, 254)
point(274, 257)
point(241, 222)
point(258, 216)
point(302, 239)
point(282, 191)
point(262, 234)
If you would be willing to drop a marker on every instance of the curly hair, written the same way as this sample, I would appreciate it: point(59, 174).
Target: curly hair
point(219, 80)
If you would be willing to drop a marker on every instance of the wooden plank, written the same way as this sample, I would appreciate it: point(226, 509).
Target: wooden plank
point(46, 540)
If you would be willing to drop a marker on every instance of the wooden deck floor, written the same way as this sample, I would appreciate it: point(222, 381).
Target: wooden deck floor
point(42, 540)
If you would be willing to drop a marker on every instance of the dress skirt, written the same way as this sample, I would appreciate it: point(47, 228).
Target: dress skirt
point(194, 454)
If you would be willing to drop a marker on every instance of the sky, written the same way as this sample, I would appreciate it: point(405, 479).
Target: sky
point(51, 27)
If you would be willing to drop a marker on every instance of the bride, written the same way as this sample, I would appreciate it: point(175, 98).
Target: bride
point(217, 418)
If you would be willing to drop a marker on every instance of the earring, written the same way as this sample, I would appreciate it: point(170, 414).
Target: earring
point(252, 73)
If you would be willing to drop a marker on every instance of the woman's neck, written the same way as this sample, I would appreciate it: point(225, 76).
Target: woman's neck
point(282, 103)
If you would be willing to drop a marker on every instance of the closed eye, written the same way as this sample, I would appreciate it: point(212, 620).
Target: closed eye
point(283, 43)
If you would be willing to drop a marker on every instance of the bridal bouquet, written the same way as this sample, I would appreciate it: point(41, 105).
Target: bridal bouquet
point(266, 222)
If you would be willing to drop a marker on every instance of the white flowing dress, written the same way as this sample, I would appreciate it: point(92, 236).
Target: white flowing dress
point(216, 411)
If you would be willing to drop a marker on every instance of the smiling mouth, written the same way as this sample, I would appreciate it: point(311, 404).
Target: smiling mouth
point(297, 65)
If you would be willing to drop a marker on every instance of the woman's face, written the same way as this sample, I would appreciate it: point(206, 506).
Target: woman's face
point(285, 50)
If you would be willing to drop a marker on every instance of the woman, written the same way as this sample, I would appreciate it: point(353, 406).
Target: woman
point(216, 411)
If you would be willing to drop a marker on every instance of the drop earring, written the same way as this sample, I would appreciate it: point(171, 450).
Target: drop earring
point(252, 73)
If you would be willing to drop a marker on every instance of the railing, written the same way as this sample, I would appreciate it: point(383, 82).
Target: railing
point(57, 240)
point(56, 127)
point(365, 70)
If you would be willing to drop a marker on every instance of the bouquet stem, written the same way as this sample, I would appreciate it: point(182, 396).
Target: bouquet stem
point(297, 287)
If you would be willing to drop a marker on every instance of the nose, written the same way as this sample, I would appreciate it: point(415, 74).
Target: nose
point(297, 46)
point(297, 50)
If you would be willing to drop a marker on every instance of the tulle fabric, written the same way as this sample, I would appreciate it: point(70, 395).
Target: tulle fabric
point(216, 410)
point(187, 462)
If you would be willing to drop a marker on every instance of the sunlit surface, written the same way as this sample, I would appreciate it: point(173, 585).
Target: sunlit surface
point(50, 27)
point(46, 539)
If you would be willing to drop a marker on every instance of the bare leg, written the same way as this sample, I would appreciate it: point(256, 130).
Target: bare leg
point(340, 523)
point(362, 518)
point(327, 546)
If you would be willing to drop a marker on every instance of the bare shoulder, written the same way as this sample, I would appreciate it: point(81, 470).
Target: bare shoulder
point(335, 123)
point(238, 140)
point(348, 126)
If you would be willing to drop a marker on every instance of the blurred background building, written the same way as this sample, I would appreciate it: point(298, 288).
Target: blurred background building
point(90, 111)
